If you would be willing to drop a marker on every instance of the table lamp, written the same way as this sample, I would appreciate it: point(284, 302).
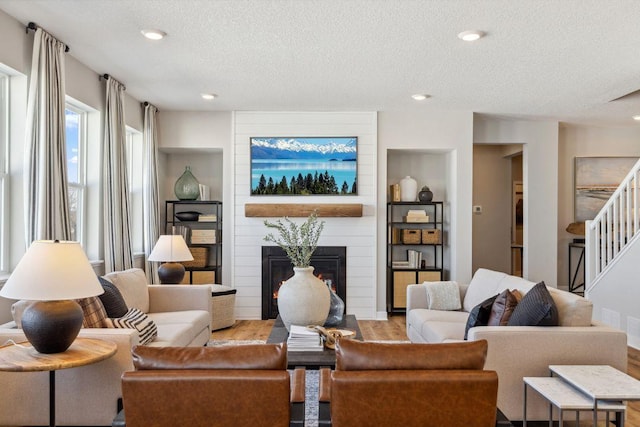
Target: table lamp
point(53, 273)
point(170, 249)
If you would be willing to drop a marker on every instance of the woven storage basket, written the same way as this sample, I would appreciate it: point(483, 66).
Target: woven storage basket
point(431, 236)
point(199, 258)
point(410, 237)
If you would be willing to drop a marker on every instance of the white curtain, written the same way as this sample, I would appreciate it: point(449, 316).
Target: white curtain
point(46, 199)
point(118, 254)
point(150, 192)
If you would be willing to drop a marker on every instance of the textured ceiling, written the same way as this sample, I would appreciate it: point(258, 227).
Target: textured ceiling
point(550, 59)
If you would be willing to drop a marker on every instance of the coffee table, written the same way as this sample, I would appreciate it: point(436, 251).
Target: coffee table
point(311, 359)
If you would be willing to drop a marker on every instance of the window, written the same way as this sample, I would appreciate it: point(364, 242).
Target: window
point(76, 143)
point(135, 162)
point(4, 172)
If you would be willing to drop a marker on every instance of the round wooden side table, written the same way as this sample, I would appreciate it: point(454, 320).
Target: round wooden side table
point(22, 357)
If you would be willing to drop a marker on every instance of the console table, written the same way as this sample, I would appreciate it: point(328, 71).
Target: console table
point(22, 357)
point(311, 359)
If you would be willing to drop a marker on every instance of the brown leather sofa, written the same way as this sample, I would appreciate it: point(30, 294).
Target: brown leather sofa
point(408, 385)
point(222, 386)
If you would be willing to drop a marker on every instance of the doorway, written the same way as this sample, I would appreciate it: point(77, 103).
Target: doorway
point(498, 214)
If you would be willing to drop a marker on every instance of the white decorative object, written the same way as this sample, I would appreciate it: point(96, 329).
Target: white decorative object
point(303, 299)
point(408, 189)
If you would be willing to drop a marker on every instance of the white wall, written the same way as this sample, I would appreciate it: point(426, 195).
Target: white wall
point(357, 234)
point(540, 182)
point(585, 141)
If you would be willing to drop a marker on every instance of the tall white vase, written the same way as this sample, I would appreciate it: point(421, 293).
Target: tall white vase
point(408, 189)
point(303, 299)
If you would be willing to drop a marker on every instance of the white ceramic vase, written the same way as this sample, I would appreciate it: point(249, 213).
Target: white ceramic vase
point(408, 189)
point(303, 299)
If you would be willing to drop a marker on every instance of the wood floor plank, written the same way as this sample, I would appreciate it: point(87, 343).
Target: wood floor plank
point(395, 329)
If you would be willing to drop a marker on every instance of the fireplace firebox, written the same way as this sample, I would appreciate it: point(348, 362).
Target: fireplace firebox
point(330, 265)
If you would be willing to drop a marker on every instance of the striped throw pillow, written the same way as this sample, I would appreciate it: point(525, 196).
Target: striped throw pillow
point(135, 319)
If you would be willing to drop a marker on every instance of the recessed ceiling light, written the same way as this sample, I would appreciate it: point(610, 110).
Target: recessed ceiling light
point(154, 34)
point(420, 96)
point(209, 96)
point(470, 36)
point(637, 117)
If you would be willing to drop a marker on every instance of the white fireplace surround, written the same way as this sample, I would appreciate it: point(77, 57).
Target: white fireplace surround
point(357, 234)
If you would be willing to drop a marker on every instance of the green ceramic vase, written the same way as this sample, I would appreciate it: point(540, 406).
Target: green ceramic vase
point(187, 186)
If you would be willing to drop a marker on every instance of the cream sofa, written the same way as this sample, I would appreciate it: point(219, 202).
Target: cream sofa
point(89, 396)
point(519, 351)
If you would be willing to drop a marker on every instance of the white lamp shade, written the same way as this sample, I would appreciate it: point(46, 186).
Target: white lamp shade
point(51, 271)
point(170, 248)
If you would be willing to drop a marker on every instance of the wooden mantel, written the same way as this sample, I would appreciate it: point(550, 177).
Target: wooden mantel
point(302, 209)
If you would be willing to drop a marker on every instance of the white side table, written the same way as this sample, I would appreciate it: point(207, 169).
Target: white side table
point(599, 382)
point(565, 397)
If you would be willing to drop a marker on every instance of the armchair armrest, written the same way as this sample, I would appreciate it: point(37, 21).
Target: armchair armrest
point(298, 388)
point(164, 298)
point(324, 398)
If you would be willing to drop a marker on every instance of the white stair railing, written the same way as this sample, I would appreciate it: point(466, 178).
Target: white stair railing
point(612, 229)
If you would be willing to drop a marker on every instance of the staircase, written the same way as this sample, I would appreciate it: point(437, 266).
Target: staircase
point(613, 231)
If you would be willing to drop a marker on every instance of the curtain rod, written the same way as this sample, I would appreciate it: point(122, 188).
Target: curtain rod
point(107, 77)
point(145, 103)
point(32, 26)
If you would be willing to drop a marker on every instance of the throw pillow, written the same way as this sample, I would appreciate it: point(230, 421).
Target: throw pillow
point(502, 308)
point(17, 308)
point(93, 312)
point(112, 299)
point(537, 308)
point(443, 295)
point(479, 315)
point(135, 319)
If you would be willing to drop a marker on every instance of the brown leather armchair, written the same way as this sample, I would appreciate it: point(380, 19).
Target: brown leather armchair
point(204, 386)
point(408, 385)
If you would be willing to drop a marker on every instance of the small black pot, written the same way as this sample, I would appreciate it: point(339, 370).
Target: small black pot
point(425, 195)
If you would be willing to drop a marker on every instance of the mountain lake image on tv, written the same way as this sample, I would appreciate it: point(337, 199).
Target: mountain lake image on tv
point(304, 166)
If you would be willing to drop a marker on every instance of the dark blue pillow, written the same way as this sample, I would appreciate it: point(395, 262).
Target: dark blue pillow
point(479, 315)
point(112, 299)
point(536, 308)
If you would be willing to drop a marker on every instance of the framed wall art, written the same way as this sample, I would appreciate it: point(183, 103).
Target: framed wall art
point(596, 178)
point(304, 166)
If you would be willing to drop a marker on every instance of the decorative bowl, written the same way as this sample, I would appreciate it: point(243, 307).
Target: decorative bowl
point(187, 216)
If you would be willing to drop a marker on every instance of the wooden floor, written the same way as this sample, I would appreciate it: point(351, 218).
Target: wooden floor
point(394, 329)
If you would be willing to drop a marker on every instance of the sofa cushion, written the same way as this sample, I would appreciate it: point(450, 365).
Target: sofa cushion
point(112, 299)
point(354, 355)
point(502, 308)
point(573, 310)
point(443, 295)
point(179, 328)
point(486, 283)
point(479, 315)
point(132, 284)
point(537, 308)
point(135, 319)
point(93, 312)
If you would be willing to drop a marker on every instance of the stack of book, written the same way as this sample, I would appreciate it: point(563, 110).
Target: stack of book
point(303, 339)
point(207, 218)
point(400, 264)
point(414, 258)
point(416, 215)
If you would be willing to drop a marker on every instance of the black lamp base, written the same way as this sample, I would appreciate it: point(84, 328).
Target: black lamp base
point(171, 273)
point(52, 326)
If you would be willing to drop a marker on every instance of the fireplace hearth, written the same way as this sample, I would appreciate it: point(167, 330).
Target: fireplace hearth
point(329, 262)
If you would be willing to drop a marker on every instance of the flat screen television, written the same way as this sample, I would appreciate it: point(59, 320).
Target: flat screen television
point(304, 166)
